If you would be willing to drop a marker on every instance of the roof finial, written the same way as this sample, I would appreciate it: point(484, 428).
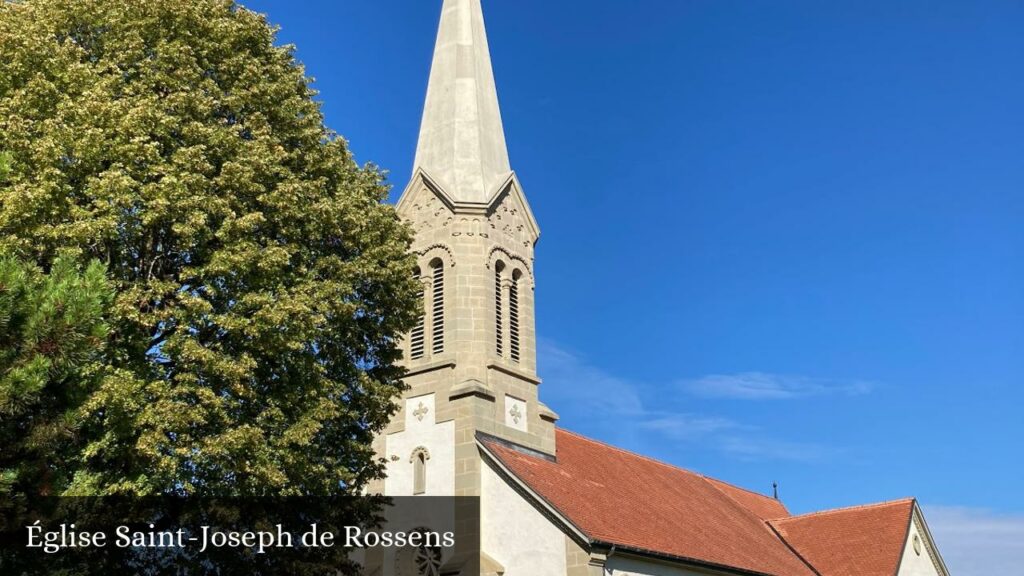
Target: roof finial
point(462, 141)
point(775, 490)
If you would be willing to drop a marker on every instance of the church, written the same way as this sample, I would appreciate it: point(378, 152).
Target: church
point(472, 423)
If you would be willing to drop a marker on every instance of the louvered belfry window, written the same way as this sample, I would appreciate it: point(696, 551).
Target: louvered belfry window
point(437, 310)
point(513, 317)
point(416, 338)
point(499, 326)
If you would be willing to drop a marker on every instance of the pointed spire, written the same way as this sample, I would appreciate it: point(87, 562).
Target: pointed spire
point(462, 142)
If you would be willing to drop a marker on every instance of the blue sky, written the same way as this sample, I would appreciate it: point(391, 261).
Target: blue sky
point(782, 241)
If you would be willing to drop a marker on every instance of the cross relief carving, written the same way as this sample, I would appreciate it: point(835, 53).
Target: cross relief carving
point(516, 414)
point(420, 412)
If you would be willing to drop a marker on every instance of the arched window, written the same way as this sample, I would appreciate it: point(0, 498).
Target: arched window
point(499, 325)
point(419, 470)
point(513, 316)
point(416, 338)
point(437, 311)
point(419, 482)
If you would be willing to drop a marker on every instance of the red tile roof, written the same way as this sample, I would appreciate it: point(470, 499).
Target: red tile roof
point(859, 541)
point(617, 497)
point(766, 508)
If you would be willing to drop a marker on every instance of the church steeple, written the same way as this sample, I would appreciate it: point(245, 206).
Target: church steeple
point(462, 142)
point(472, 359)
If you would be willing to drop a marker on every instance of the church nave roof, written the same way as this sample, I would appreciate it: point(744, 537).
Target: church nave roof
point(638, 504)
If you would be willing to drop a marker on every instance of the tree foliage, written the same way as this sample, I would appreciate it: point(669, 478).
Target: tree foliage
point(5, 166)
point(52, 335)
point(260, 279)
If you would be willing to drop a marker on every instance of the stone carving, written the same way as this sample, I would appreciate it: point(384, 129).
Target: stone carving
point(516, 414)
point(428, 212)
point(428, 561)
point(432, 247)
point(415, 453)
point(510, 259)
point(420, 412)
point(418, 561)
point(509, 221)
point(470, 227)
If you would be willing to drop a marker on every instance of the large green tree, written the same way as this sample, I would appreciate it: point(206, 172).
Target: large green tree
point(260, 279)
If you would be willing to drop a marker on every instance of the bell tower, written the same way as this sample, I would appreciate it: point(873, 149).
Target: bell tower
point(472, 359)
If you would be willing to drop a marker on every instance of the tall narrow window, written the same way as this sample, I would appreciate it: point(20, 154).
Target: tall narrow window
point(513, 316)
point(499, 326)
point(419, 471)
point(437, 325)
point(416, 338)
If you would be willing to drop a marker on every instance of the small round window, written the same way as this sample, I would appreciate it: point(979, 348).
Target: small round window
point(917, 544)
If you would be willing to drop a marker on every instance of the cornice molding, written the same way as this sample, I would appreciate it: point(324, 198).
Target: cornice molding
point(511, 371)
point(429, 367)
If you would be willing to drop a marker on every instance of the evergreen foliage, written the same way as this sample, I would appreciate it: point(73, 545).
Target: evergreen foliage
point(52, 335)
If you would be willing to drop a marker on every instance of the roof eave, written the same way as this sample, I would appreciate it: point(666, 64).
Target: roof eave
point(723, 569)
point(542, 504)
point(917, 516)
point(549, 510)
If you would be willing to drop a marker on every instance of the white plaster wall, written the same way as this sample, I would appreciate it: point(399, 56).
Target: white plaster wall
point(914, 564)
point(515, 534)
point(439, 440)
point(627, 566)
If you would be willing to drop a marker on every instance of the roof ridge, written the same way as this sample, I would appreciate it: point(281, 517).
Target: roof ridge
point(744, 509)
point(700, 475)
point(738, 487)
point(630, 453)
point(846, 509)
point(668, 465)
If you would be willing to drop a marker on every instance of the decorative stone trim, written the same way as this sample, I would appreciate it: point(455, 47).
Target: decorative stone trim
point(514, 372)
point(516, 414)
point(471, 388)
point(547, 414)
point(420, 412)
point(423, 369)
point(417, 451)
point(921, 529)
point(512, 257)
point(428, 249)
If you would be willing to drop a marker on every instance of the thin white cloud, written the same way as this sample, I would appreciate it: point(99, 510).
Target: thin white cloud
point(754, 448)
point(977, 542)
point(682, 427)
point(628, 412)
point(568, 378)
point(763, 386)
